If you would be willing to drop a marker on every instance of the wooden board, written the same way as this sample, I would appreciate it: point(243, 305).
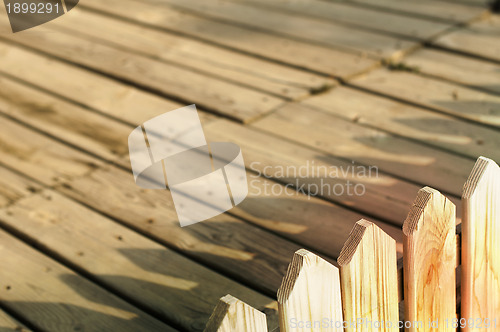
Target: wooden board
point(8, 323)
point(358, 16)
point(309, 297)
point(370, 147)
point(231, 315)
point(215, 61)
point(481, 247)
point(436, 10)
point(303, 28)
point(430, 250)
point(479, 39)
point(231, 100)
point(405, 120)
point(173, 287)
point(250, 41)
point(441, 96)
point(52, 297)
point(469, 71)
point(369, 279)
point(14, 187)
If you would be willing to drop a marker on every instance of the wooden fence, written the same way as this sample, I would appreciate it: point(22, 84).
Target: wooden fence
point(365, 292)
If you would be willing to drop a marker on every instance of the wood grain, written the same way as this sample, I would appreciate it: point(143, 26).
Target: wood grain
point(233, 315)
point(309, 297)
point(430, 260)
point(481, 246)
point(369, 279)
point(8, 323)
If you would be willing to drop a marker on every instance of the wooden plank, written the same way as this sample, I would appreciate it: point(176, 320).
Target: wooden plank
point(215, 61)
point(447, 11)
point(303, 28)
point(262, 44)
point(231, 100)
point(173, 287)
point(405, 120)
point(430, 260)
point(441, 96)
point(481, 247)
point(309, 297)
point(8, 323)
point(52, 297)
point(369, 279)
point(479, 39)
point(371, 147)
point(461, 69)
point(14, 187)
point(231, 314)
point(343, 12)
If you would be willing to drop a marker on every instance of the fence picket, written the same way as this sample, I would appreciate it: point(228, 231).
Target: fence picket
point(309, 296)
point(429, 263)
point(369, 283)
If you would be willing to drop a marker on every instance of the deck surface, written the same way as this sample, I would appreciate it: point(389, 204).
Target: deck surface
point(409, 87)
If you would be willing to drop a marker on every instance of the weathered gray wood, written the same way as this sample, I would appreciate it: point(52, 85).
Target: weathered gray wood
point(172, 286)
point(442, 96)
point(476, 73)
point(358, 16)
point(310, 29)
point(420, 124)
point(389, 153)
point(226, 64)
point(52, 297)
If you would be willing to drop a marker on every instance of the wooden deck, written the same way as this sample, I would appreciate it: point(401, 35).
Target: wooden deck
point(411, 87)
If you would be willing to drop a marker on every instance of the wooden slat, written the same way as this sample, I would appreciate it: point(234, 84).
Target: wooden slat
point(53, 298)
point(481, 246)
point(479, 39)
point(232, 315)
point(405, 120)
point(215, 61)
point(171, 286)
point(14, 187)
point(359, 17)
point(441, 96)
point(457, 68)
point(231, 100)
point(369, 279)
point(309, 297)
point(310, 29)
point(251, 41)
point(8, 323)
point(454, 12)
point(366, 146)
point(430, 260)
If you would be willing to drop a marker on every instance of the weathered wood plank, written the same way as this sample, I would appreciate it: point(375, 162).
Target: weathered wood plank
point(442, 96)
point(479, 39)
point(309, 29)
point(367, 146)
point(430, 260)
point(219, 96)
point(168, 284)
point(231, 315)
point(369, 279)
point(359, 17)
point(454, 12)
point(481, 247)
point(405, 120)
point(309, 297)
point(51, 297)
point(215, 61)
point(461, 69)
point(8, 323)
point(14, 187)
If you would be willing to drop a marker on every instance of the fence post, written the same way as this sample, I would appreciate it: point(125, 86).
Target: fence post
point(480, 299)
point(369, 280)
point(233, 315)
point(309, 296)
point(429, 263)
